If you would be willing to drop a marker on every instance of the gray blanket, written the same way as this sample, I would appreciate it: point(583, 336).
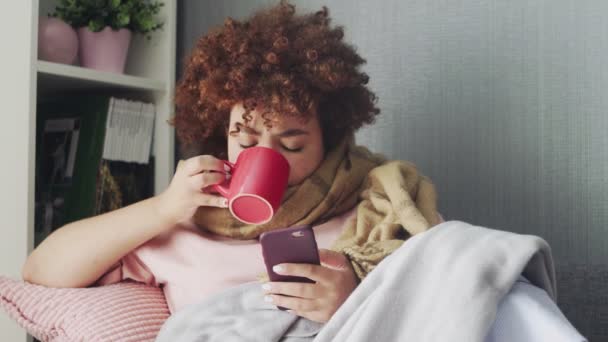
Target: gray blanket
point(441, 285)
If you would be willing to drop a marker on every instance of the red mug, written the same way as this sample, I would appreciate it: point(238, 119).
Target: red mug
point(257, 184)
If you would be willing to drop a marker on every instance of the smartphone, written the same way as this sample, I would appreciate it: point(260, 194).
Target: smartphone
point(289, 245)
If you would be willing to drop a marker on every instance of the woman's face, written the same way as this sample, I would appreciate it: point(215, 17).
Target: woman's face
point(301, 143)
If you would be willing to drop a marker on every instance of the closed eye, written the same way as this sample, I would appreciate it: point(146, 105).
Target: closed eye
point(293, 150)
point(247, 146)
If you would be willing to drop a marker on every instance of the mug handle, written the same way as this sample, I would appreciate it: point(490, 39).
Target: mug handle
point(224, 188)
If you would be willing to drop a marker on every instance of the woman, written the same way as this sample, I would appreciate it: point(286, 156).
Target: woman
point(291, 84)
point(280, 81)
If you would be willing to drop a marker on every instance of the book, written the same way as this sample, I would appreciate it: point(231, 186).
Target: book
point(129, 131)
point(57, 159)
point(74, 179)
point(66, 161)
point(60, 140)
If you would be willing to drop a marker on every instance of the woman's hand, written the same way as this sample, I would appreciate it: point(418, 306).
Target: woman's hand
point(334, 280)
point(185, 194)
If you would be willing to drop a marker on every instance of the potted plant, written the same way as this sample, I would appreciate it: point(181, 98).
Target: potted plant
point(105, 27)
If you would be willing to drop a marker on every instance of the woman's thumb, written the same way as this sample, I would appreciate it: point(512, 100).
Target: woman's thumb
point(332, 259)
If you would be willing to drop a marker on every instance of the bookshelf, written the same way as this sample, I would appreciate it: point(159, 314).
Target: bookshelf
point(68, 77)
point(149, 75)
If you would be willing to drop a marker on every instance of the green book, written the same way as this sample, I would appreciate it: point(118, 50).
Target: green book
point(70, 135)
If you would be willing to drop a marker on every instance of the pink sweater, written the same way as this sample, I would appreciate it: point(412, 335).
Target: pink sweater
point(191, 265)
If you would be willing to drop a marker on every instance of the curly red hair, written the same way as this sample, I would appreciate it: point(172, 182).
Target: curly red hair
point(276, 62)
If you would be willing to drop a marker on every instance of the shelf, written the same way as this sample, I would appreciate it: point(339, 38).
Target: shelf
point(54, 76)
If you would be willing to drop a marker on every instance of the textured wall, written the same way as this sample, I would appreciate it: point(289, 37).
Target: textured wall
point(501, 104)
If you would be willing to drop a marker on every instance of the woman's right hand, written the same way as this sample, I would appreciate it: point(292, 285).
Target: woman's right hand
point(186, 193)
point(89, 247)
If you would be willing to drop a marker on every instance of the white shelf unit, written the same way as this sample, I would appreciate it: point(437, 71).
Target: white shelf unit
point(66, 77)
point(149, 74)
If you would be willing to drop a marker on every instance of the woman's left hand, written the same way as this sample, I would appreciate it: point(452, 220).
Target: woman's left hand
point(334, 280)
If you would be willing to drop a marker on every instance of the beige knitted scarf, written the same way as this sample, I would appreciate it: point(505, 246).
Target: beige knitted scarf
point(394, 201)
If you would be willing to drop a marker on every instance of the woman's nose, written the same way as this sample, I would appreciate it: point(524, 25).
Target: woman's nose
point(268, 143)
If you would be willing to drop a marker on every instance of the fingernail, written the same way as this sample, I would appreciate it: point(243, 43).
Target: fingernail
point(225, 203)
point(278, 268)
point(266, 287)
point(268, 299)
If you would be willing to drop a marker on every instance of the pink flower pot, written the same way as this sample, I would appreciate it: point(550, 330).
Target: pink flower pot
point(105, 50)
point(57, 41)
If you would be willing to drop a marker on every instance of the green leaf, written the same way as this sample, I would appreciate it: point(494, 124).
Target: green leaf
point(123, 19)
point(140, 16)
point(114, 4)
point(96, 25)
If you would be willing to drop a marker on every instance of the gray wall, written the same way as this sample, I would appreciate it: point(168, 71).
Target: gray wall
point(502, 104)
